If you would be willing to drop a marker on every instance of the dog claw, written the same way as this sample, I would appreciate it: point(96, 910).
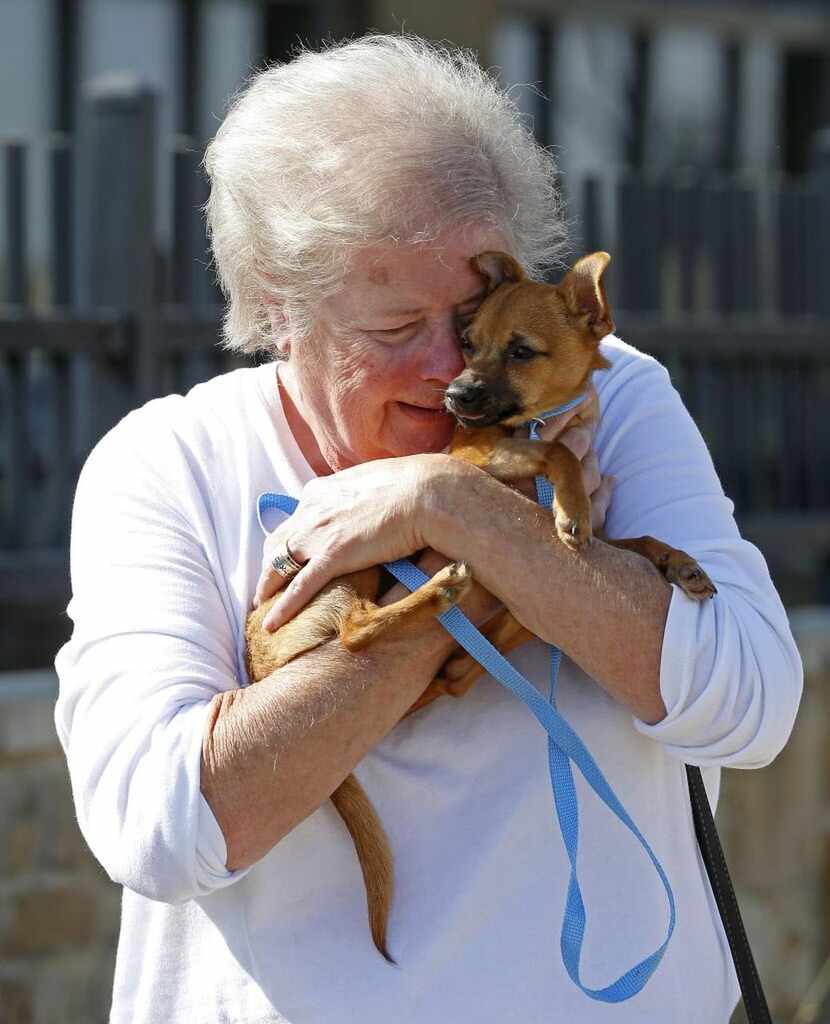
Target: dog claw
point(574, 533)
point(691, 579)
point(455, 580)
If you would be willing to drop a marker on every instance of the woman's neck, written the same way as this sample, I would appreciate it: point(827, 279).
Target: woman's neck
point(303, 435)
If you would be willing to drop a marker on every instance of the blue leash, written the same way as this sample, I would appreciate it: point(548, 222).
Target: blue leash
point(564, 746)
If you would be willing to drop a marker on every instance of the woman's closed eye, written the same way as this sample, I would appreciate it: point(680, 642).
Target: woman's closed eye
point(396, 333)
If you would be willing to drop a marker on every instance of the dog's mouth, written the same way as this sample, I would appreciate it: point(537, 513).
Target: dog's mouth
point(488, 416)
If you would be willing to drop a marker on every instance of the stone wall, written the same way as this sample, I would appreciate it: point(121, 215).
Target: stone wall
point(775, 828)
point(59, 911)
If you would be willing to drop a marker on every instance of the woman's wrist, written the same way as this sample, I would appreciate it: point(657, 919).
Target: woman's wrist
point(445, 487)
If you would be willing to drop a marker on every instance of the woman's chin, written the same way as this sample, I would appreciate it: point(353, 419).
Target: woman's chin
point(413, 430)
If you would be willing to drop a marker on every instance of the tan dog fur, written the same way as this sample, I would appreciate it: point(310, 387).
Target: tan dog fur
point(562, 325)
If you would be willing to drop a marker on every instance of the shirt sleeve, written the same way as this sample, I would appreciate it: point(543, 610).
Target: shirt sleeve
point(730, 674)
point(152, 644)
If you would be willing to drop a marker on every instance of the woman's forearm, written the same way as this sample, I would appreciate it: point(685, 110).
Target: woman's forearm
point(273, 752)
point(604, 607)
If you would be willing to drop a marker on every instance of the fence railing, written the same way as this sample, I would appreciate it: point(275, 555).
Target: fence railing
point(64, 381)
point(698, 244)
point(723, 280)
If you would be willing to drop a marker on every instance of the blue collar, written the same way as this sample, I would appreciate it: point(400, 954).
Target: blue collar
point(539, 421)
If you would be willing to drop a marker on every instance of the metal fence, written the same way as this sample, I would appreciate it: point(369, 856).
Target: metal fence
point(723, 280)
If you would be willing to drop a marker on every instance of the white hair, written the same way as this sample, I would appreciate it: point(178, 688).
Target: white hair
point(384, 140)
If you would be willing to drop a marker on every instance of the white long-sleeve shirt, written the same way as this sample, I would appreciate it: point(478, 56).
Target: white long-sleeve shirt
point(166, 552)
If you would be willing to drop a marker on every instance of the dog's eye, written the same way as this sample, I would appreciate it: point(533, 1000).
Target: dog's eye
point(522, 352)
point(466, 344)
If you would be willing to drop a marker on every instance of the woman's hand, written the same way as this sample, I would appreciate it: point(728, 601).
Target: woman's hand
point(345, 522)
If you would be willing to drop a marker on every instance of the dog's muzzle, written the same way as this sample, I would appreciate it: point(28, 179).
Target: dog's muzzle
point(466, 397)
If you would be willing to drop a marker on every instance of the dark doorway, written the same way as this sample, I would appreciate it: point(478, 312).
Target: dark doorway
point(805, 105)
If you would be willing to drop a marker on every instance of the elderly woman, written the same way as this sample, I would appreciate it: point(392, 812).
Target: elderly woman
point(349, 190)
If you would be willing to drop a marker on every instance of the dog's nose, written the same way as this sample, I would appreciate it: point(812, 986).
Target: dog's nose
point(467, 394)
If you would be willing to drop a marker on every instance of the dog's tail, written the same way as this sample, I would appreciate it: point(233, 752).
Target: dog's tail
point(373, 852)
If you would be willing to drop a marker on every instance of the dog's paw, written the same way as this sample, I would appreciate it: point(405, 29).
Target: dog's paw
point(453, 582)
point(683, 570)
point(573, 530)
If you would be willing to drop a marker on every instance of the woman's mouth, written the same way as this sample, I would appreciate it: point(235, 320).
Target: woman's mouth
point(423, 414)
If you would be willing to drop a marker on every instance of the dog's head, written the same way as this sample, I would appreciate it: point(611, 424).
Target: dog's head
point(530, 347)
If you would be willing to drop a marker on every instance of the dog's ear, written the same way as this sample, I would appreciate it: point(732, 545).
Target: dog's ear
point(584, 293)
point(497, 267)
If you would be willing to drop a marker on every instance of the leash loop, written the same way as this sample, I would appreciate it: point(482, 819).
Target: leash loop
point(564, 746)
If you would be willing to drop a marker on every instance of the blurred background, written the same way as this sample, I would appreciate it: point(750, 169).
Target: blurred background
point(693, 139)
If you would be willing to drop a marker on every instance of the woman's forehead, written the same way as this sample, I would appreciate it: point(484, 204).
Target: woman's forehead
point(414, 278)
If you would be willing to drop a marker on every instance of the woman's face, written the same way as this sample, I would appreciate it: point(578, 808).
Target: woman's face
point(369, 384)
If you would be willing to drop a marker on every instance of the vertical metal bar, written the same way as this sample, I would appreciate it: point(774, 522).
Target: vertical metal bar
point(19, 450)
point(62, 469)
point(65, 63)
point(743, 248)
point(819, 439)
point(62, 207)
point(769, 434)
point(820, 182)
point(815, 273)
point(638, 241)
point(16, 223)
point(789, 251)
point(687, 201)
point(789, 435)
point(731, 105)
point(721, 198)
point(181, 250)
point(545, 128)
point(628, 244)
point(595, 233)
point(638, 103)
point(652, 243)
point(592, 228)
point(189, 30)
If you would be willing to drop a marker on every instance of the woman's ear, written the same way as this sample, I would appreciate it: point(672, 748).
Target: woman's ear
point(279, 334)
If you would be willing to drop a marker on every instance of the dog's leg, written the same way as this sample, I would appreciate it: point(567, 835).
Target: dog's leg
point(365, 620)
point(514, 458)
point(674, 564)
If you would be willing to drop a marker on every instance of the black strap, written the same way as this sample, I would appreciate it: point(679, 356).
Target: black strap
point(707, 836)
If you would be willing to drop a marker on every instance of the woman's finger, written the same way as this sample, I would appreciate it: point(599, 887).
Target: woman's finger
point(591, 476)
point(600, 501)
point(578, 439)
point(271, 580)
point(296, 595)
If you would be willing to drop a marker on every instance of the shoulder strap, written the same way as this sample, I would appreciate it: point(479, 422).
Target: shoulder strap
point(707, 836)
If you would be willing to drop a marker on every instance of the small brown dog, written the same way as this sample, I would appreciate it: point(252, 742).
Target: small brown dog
point(529, 348)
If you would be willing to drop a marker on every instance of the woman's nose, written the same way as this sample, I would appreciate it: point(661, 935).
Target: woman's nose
point(442, 355)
